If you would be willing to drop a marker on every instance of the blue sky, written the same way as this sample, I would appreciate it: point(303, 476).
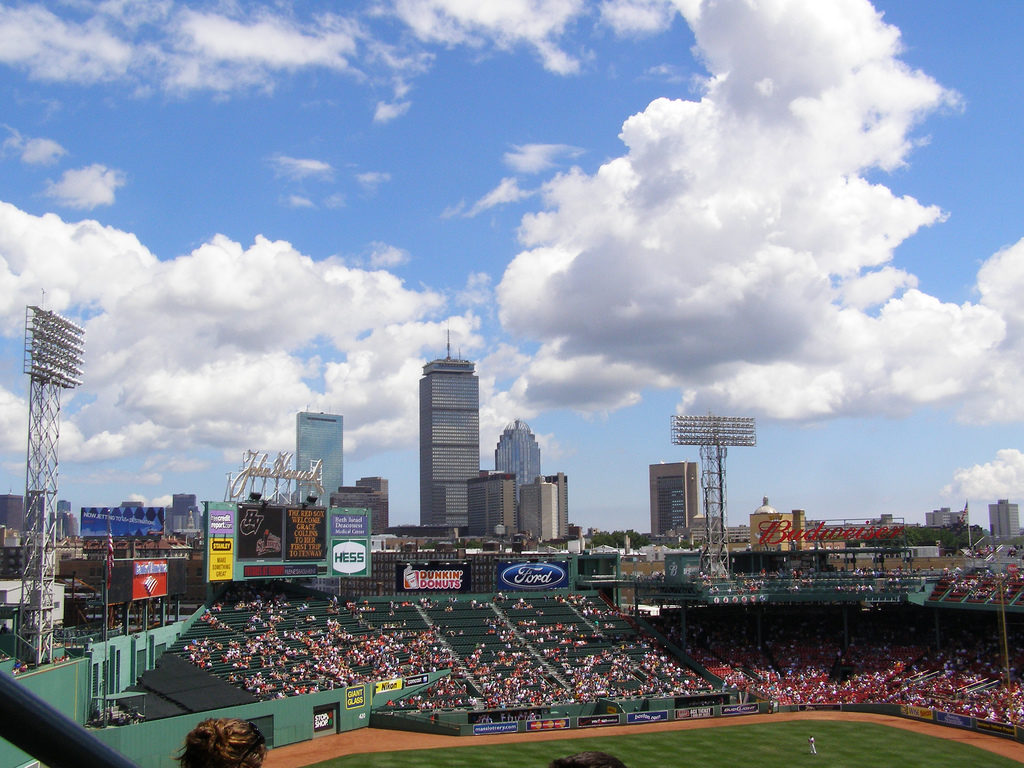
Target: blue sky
point(804, 212)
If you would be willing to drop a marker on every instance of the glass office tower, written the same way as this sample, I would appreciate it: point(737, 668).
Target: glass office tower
point(449, 440)
point(517, 452)
point(320, 436)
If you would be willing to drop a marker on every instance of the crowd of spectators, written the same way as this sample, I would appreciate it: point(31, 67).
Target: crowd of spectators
point(505, 653)
point(790, 657)
point(521, 653)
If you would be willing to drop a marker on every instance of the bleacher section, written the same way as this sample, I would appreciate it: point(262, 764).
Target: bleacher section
point(978, 589)
point(510, 652)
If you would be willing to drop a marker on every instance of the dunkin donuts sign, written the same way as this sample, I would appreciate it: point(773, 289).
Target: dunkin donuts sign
point(533, 576)
point(433, 577)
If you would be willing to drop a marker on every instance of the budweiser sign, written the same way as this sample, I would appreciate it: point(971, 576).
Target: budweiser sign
point(779, 531)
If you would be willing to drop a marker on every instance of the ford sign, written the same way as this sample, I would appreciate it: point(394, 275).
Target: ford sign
point(533, 576)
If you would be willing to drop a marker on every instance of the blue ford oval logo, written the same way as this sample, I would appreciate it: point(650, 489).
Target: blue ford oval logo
point(534, 576)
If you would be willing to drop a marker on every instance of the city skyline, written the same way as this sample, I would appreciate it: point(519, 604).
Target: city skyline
point(807, 213)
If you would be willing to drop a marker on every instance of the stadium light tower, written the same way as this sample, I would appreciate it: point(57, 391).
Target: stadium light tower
point(53, 361)
point(713, 434)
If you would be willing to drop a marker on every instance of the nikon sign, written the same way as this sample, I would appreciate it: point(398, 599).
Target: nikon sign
point(350, 557)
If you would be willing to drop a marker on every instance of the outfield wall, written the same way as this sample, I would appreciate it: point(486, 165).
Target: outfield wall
point(153, 744)
point(563, 718)
point(924, 714)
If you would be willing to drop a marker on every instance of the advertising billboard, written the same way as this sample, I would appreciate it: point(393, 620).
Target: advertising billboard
point(149, 579)
point(122, 522)
point(533, 576)
point(256, 540)
point(145, 579)
point(433, 577)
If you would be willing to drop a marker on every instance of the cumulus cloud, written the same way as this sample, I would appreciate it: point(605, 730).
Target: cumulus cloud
point(86, 188)
point(384, 256)
point(536, 24)
point(387, 111)
point(51, 48)
point(33, 151)
point(534, 158)
point(737, 250)
point(1002, 478)
point(176, 371)
point(220, 52)
point(477, 291)
point(630, 17)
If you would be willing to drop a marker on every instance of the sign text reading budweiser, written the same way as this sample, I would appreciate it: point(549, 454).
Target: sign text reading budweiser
point(778, 531)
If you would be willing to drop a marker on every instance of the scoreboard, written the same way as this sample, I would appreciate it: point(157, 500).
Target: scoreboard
point(261, 541)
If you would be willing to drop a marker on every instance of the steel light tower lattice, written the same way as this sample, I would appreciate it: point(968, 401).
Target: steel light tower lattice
point(53, 361)
point(713, 434)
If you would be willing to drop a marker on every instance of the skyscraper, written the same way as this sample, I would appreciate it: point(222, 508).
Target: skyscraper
point(1004, 519)
point(561, 483)
point(449, 439)
point(12, 511)
point(491, 499)
point(538, 509)
point(184, 512)
point(518, 453)
point(320, 436)
point(675, 496)
point(370, 493)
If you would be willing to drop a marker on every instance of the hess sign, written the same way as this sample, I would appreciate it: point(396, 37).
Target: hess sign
point(349, 557)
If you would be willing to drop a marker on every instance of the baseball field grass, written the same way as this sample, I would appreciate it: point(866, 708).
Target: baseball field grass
point(774, 745)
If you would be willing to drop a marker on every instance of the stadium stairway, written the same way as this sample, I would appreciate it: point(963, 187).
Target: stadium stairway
point(531, 647)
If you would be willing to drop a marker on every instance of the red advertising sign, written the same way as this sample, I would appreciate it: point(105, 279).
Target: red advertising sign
point(149, 579)
point(778, 531)
point(550, 724)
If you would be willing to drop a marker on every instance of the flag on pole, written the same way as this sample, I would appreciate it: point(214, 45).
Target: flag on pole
point(110, 558)
point(964, 519)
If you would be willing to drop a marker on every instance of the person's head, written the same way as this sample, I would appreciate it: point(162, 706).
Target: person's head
point(587, 760)
point(225, 742)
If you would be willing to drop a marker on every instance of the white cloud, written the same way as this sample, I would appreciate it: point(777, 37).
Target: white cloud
point(387, 111)
point(301, 167)
point(671, 73)
point(299, 201)
point(477, 291)
point(177, 369)
point(1001, 478)
point(86, 188)
point(33, 151)
point(372, 180)
point(51, 48)
point(737, 251)
point(210, 50)
point(13, 422)
point(507, 191)
point(42, 152)
point(630, 17)
point(384, 256)
point(534, 158)
point(533, 23)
